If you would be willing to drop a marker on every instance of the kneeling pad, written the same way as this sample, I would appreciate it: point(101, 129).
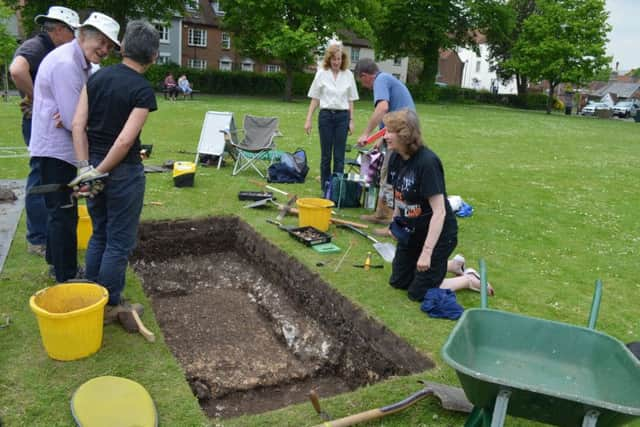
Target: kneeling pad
point(113, 401)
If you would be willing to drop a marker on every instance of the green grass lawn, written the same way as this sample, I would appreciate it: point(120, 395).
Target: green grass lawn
point(554, 200)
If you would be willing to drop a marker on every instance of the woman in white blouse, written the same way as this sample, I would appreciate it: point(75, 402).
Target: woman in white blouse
point(334, 90)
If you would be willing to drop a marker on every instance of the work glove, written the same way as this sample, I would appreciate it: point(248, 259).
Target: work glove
point(85, 183)
point(26, 105)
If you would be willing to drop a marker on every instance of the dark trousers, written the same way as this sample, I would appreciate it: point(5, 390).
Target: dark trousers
point(333, 126)
point(62, 219)
point(34, 203)
point(115, 214)
point(403, 270)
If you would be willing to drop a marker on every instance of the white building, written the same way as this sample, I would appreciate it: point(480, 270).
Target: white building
point(476, 73)
point(358, 48)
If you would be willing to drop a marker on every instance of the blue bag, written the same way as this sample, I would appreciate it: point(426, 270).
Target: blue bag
point(291, 169)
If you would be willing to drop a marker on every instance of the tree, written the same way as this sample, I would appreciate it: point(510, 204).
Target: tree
point(502, 24)
point(421, 28)
point(562, 41)
point(7, 45)
point(291, 31)
point(120, 10)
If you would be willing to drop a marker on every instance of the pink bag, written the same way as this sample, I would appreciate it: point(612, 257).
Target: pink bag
point(370, 166)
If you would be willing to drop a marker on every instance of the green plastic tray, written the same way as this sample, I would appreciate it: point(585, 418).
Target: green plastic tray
point(326, 248)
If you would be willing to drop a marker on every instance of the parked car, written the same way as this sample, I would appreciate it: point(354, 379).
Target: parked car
point(626, 108)
point(591, 107)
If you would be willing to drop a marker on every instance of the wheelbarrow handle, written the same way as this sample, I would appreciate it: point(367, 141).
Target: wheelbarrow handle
point(483, 284)
point(595, 305)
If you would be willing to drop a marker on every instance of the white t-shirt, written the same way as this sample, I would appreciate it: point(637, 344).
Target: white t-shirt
point(333, 94)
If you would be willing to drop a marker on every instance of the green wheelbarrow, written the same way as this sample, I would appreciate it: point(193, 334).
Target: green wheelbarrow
point(542, 370)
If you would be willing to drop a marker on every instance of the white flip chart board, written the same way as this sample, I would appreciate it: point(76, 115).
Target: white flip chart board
point(212, 139)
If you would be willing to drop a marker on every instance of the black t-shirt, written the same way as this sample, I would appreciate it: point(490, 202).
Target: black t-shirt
point(414, 181)
point(113, 94)
point(34, 50)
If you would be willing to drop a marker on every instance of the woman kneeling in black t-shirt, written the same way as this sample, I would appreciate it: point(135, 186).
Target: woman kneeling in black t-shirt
point(424, 224)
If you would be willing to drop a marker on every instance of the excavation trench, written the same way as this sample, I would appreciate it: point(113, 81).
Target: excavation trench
point(253, 328)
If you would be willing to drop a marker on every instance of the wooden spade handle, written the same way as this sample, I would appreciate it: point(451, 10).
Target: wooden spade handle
point(294, 211)
point(373, 414)
point(147, 334)
point(313, 397)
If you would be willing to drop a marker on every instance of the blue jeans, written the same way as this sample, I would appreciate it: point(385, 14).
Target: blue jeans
point(34, 203)
point(62, 219)
point(333, 126)
point(115, 214)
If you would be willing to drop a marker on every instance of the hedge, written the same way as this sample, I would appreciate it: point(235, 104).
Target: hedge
point(532, 101)
point(232, 82)
point(272, 84)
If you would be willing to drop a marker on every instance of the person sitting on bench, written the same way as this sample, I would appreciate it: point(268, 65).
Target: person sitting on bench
point(170, 86)
point(185, 86)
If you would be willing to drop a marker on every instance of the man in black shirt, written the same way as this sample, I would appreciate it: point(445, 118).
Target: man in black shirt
point(111, 112)
point(58, 27)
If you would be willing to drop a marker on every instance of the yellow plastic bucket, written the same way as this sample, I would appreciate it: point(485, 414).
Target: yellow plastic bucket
point(70, 318)
point(314, 212)
point(85, 228)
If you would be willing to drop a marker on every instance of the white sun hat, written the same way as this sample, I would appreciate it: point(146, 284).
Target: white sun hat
point(62, 14)
point(106, 25)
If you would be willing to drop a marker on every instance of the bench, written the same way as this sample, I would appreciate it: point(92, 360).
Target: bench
point(184, 95)
point(165, 92)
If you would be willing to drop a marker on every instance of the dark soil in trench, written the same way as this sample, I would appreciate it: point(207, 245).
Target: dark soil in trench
point(253, 328)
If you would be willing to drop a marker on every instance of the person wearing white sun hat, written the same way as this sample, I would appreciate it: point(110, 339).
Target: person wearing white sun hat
point(58, 27)
point(60, 79)
point(60, 14)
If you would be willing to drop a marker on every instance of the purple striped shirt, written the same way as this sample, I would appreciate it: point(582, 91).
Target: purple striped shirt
point(60, 79)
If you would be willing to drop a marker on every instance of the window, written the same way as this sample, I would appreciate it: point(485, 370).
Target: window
point(478, 64)
point(355, 54)
point(217, 9)
point(163, 30)
point(397, 61)
point(199, 64)
point(247, 65)
point(197, 37)
point(163, 58)
point(191, 5)
point(270, 68)
point(226, 41)
point(225, 64)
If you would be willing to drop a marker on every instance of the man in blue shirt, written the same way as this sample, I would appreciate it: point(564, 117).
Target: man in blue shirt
point(389, 94)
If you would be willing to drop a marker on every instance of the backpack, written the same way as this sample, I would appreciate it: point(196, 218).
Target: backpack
point(292, 168)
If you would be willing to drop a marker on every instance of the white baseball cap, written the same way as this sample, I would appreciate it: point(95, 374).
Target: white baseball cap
point(106, 25)
point(62, 14)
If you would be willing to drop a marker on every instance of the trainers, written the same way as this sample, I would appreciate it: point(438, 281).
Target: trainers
point(475, 282)
point(111, 311)
point(458, 265)
point(39, 250)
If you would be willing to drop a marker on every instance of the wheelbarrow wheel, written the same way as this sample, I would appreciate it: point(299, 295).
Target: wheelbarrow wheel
point(483, 418)
point(478, 418)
